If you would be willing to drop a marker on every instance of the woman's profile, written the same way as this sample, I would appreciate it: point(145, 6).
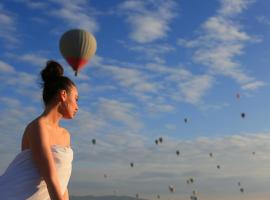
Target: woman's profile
point(42, 169)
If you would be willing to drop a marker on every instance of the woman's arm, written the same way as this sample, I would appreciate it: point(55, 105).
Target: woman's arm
point(42, 155)
point(66, 196)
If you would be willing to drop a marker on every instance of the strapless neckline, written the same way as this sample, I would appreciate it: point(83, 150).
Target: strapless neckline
point(53, 147)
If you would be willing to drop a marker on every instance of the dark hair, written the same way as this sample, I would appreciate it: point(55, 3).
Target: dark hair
point(54, 81)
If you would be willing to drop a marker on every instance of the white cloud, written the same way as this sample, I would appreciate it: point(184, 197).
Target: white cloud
point(32, 58)
point(76, 14)
point(148, 24)
point(221, 41)
point(8, 28)
point(253, 85)
point(6, 68)
point(156, 166)
point(196, 88)
point(231, 7)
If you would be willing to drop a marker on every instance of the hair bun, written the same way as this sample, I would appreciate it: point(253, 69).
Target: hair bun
point(52, 71)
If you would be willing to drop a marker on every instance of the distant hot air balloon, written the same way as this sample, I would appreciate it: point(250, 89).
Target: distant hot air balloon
point(156, 141)
point(94, 141)
point(218, 166)
point(193, 197)
point(237, 95)
point(160, 139)
point(77, 46)
point(177, 152)
point(185, 120)
point(171, 188)
point(211, 154)
point(243, 115)
point(131, 164)
point(242, 190)
point(191, 180)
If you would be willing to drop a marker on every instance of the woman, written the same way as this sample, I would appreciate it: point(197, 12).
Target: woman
point(42, 169)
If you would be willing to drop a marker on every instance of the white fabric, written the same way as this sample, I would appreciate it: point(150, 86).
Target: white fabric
point(22, 181)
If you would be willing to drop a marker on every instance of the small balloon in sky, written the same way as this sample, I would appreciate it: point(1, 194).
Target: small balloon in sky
point(218, 166)
point(211, 154)
point(191, 180)
point(237, 96)
point(177, 152)
point(77, 46)
point(131, 164)
point(156, 141)
point(93, 141)
point(171, 188)
point(160, 139)
point(242, 190)
point(186, 120)
point(243, 115)
point(193, 197)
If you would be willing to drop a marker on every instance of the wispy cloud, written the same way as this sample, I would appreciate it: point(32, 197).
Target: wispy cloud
point(8, 28)
point(149, 20)
point(22, 83)
point(221, 41)
point(76, 14)
point(31, 58)
point(241, 158)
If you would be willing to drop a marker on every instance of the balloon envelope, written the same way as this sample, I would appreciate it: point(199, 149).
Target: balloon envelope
point(77, 46)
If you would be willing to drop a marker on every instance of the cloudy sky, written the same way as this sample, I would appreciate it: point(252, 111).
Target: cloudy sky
point(158, 62)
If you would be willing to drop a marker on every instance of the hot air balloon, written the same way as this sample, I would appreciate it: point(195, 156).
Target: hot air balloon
point(77, 46)
point(237, 95)
point(131, 164)
point(93, 141)
point(156, 141)
point(193, 197)
point(160, 139)
point(242, 190)
point(185, 120)
point(171, 188)
point(218, 166)
point(191, 180)
point(211, 155)
point(243, 115)
point(177, 152)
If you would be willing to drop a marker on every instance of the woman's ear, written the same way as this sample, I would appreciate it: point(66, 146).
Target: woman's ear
point(63, 95)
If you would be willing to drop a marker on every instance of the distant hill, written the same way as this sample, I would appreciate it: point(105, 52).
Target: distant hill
point(103, 198)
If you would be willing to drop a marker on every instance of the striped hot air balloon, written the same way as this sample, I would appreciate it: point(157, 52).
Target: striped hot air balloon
point(77, 47)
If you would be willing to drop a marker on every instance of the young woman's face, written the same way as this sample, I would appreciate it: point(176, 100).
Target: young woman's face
point(71, 103)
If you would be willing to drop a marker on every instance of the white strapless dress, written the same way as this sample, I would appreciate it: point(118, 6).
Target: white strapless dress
point(22, 181)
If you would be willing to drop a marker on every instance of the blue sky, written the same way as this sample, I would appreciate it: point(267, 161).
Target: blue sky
point(157, 62)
